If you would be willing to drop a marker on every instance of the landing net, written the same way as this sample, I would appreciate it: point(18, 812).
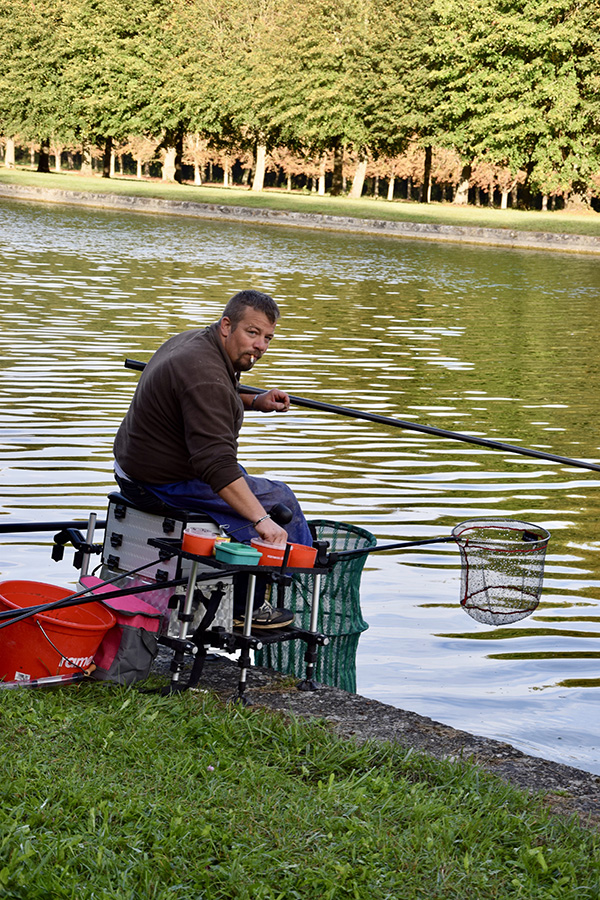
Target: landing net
point(502, 568)
point(340, 616)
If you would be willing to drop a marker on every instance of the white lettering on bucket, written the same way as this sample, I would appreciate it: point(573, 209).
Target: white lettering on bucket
point(77, 662)
point(22, 676)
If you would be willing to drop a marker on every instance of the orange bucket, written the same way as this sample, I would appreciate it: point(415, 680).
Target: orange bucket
point(272, 554)
point(58, 642)
point(302, 556)
point(199, 541)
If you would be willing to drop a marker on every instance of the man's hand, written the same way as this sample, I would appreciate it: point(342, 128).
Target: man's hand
point(239, 496)
point(271, 401)
point(271, 532)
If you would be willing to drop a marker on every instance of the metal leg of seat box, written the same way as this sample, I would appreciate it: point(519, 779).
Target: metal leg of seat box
point(244, 661)
point(310, 657)
point(185, 617)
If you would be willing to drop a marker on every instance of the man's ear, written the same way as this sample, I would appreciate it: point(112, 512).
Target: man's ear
point(225, 326)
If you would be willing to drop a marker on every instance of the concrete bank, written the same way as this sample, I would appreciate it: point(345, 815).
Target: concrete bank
point(491, 237)
point(566, 790)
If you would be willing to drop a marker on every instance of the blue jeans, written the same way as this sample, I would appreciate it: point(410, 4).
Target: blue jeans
point(197, 496)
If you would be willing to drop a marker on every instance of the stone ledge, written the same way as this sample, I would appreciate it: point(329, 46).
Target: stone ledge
point(492, 237)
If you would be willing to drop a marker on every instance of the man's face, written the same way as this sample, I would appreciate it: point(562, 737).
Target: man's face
point(247, 342)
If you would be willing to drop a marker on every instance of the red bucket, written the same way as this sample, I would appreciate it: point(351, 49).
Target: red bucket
point(58, 642)
point(302, 556)
point(272, 554)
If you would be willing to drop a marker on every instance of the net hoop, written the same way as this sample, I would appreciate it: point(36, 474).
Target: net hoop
point(502, 568)
point(462, 534)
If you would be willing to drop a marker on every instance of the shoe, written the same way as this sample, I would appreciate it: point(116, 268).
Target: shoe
point(267, 616)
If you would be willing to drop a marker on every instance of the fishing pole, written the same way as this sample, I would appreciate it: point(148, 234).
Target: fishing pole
point(409, 426)
point(337, 555)
point(11, 616)
point(25, 527)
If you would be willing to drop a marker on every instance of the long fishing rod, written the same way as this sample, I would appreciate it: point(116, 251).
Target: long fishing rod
point(25, 527)
point(87, 595)
point(409, 426)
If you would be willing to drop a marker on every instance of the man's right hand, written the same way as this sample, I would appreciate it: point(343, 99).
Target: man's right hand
point(271, 532)
point(239, 496)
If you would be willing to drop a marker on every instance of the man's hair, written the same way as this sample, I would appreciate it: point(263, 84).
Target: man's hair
point(236, 308)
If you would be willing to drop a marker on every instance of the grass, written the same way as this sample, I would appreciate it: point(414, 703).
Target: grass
point(587, 223)
point(112, 793)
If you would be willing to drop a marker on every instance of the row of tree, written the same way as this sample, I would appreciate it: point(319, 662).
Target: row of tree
point(501, 86)
point(390, 177)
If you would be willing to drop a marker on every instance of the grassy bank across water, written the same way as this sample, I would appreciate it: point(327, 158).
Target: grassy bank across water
point(587, 224)
point(119, 793)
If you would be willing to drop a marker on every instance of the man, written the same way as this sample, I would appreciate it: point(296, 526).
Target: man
point(178, 440)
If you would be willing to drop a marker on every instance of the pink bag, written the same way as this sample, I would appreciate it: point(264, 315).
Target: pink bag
point(129, 648)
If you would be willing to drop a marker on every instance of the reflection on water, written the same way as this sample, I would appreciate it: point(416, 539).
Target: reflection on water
point(496, 343)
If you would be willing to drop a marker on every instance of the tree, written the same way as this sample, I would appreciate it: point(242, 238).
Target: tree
point(33, 50)
point(143, 149)
point(311, 78)
point(528, 98)
point(108, 81)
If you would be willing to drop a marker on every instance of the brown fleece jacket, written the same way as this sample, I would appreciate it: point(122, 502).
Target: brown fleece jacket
point(185, 416)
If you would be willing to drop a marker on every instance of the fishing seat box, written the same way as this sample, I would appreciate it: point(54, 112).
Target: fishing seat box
point(126, 547)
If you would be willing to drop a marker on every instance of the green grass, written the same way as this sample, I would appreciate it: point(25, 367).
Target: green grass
point(112, 793)
point(365, 208)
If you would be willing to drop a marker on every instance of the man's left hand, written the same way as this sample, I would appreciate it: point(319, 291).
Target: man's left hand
point(271, 401)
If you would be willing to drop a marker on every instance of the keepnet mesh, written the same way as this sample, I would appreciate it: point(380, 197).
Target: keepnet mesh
point(340, 616)
point(502, 568)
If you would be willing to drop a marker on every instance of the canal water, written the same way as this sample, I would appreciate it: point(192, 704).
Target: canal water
point(497, 343)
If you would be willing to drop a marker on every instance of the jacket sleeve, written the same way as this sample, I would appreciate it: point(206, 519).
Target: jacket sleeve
point(212, 416)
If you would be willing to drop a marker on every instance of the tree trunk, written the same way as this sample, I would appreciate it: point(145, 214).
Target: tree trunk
point(504, 200)
point(491, 195)
point(246, 176)
point(391, 185)
point(461, 197)
point(289, 183)
point(86, 160)
point(57, 160)
point(168, 167)
point(322, 165)
point(359, 179)
point(9, 158)
point(545, 203)
point(337, 182)
point(409, 185)
point(226, 173)
point(31, 153)
point(107, 157)
point(376, 186)
point(514, 196)
point(197, 174)
point(178, 174)
point(426, 194)
point(477, 195)
point(113, 158)
point(258, 182)
point(44, 157)
point(138, 169)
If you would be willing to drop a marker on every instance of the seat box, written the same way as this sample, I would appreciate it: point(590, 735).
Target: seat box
point(126, 547)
